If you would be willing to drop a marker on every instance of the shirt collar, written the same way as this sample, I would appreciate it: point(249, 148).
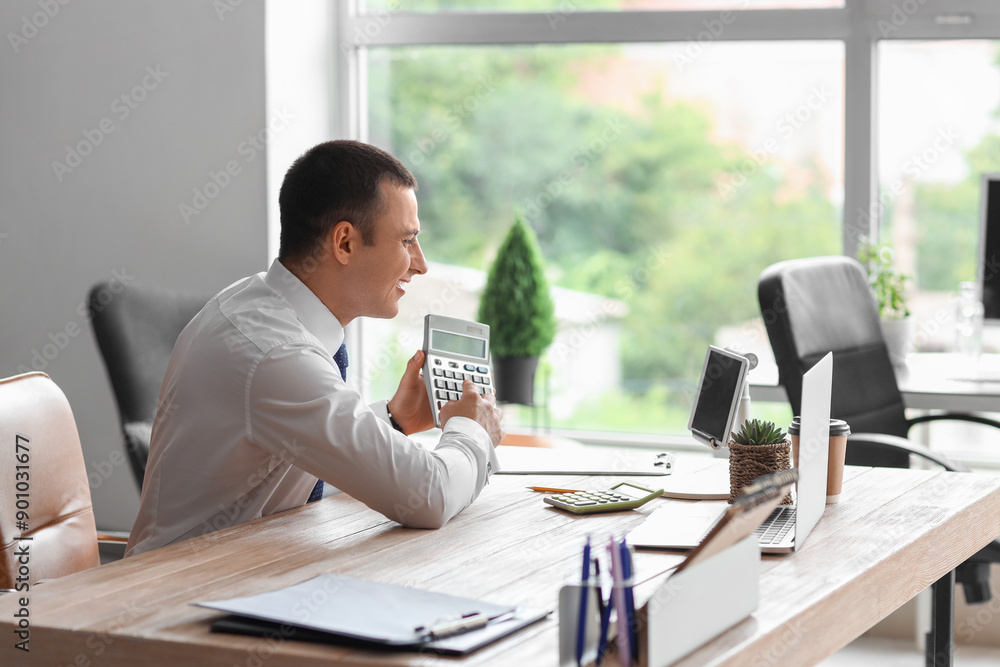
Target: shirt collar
point(312, 313)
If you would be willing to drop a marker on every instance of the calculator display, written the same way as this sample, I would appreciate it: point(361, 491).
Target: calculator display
point(457, 344)
point(631, 491)
point(455, 351)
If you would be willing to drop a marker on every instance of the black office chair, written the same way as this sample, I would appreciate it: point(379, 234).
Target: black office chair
point(817, 305)
point(136, 328)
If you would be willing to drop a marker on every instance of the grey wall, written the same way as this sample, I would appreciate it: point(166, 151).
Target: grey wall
point(115, 213)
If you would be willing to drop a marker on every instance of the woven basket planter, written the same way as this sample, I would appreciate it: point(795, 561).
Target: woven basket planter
point(748, 462)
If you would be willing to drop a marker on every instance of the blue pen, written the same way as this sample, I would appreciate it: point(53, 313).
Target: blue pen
point(629, 599)
point(581, 629)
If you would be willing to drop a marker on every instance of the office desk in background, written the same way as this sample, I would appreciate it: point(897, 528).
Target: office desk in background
point(895, 533)
point(929, 381)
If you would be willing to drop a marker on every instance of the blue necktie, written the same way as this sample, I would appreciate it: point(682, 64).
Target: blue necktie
point(341, 359)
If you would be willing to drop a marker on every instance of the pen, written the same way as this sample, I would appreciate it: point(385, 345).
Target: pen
point(618, 596)
point(552, 489)
point(471, 621)
point(630, 599)
point(581, 628)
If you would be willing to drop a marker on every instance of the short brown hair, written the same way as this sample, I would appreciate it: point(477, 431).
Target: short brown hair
point(334, 181)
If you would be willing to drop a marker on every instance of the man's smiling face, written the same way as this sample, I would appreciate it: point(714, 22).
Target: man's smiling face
point(387, 266)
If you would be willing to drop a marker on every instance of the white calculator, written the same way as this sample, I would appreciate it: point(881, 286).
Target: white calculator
point(454, 350)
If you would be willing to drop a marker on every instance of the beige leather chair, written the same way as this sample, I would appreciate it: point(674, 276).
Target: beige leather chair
point(48, 466)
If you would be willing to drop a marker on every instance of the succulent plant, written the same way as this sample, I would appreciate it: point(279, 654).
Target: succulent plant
point(757, 432)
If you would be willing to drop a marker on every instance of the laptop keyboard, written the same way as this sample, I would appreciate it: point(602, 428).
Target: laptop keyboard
point(776, 526)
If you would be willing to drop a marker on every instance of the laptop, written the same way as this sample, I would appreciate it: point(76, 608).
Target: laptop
point(685, 525)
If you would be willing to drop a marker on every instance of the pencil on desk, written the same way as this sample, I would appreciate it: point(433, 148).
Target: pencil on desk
point(551, 489)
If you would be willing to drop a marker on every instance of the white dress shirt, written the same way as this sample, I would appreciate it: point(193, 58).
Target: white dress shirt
point(253, 409)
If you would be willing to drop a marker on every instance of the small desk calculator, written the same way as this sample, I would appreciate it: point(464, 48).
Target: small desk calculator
point(454, 350)
point(621, 496)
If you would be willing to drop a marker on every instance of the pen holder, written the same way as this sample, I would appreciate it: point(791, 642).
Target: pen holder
point(569, 623)
point(700, 602)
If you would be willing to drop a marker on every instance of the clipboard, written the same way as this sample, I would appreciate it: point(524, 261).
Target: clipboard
point(741, 518)
point(337, 609)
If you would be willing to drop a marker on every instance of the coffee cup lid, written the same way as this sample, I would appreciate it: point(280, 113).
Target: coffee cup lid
point(838, 427)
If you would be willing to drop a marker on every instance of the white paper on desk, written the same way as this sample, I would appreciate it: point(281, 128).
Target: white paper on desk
point(580, 461)
point(710, 482)
point(677, 525)
point(356, 608)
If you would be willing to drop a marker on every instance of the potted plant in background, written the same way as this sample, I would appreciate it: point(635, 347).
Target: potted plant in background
point(889, 287)
point(759, 447)
point(517, 306)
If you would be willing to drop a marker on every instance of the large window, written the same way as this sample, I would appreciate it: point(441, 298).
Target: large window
point(658, 196)
point(664, 158)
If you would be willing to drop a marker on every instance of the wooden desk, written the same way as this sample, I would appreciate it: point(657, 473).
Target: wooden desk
point(895, 532)
point(930, 381)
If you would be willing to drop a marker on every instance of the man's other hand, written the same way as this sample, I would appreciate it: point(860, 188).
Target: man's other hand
point(410, 407)
point(482, 409)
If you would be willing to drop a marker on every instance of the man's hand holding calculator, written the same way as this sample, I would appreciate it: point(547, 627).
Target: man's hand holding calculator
point(479, 408)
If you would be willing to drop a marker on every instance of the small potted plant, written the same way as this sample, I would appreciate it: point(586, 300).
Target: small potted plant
point(517, 306)
point(759, 447)
point(889, 287)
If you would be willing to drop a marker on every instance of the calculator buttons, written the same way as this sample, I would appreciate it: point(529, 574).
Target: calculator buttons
point(483, 369)
point(606, 500)
point(470, 367)
point(437, 371)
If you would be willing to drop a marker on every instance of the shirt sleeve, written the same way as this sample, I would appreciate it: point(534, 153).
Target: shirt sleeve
point(299, 409)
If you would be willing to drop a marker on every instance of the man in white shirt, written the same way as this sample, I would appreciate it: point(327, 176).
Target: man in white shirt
point(254, 407)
